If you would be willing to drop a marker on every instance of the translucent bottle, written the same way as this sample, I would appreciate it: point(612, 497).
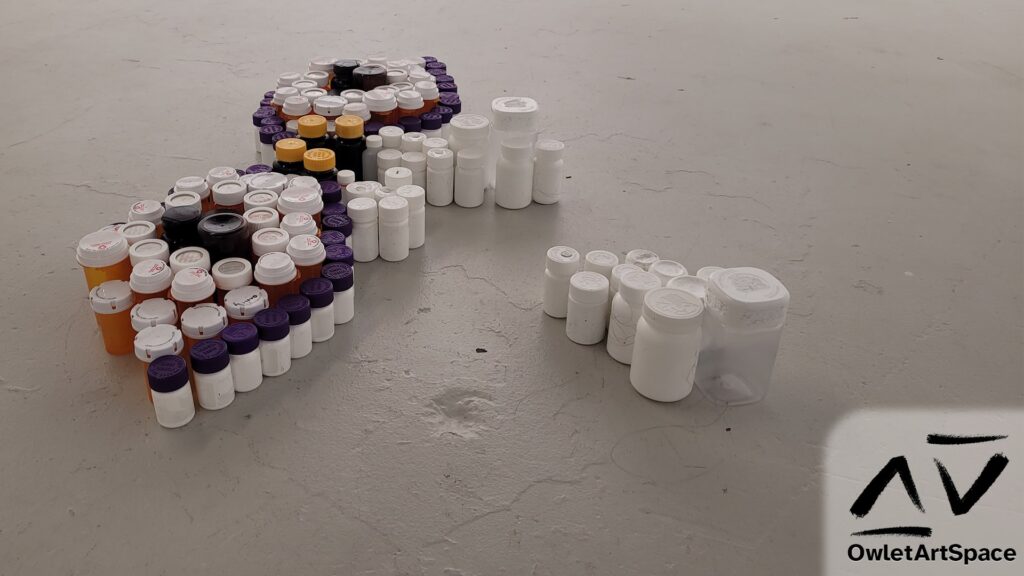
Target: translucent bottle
point(394, 228)
point(641, 258)
point(440, 176)
point(243, 342)
point(513, 188)
point(668, 341)
point(587, 310)
point(150, 279)
point(276, 273)
point(192, 286)
point(112, 303)
point(626, 309)
point(363, 212)
point(172, 395)
point(211, 366)
point(416, 197)
point(470, 179)
point(103, 256)
point(341, 277)
point(373, 146)
point(300, 329)
point(307, 252)
point(515, 123)
point(548, 170)
point(746, 310)
point(562, 262)
point(275, 344)
point(320, 293)
point(666, 270)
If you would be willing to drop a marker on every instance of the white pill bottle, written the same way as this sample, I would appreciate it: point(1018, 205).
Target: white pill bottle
point(668, 340)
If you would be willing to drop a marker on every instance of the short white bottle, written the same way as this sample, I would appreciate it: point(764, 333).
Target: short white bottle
point(470, 179)
point(668, 341)
point(440, 176)
point(300, 327)
point(513, 185)
point(587, 311)
point(602, 262)
point(617, 273)
point(666, 270)
point(365, 244)
point(394, 228)
point(397, 176)
point(211, 365)
point(548, 170)
point(641, 258)
point(416, 197)
point(386, 158)
point(562, 262)
point(412, 142)
point(416, 161)
point(391, 137)
point(320, 293)
point(243, 342)
point(626, 308)
point(342, 279)
point(172, 394)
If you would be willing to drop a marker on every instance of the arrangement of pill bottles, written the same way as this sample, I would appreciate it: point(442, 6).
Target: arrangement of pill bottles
point(103, 256)
point(171, 391)
point(300, 325)
point(150, 279)
point(112, 302)
point(192, 286)
point(668, 342)
point(308, 254)
point(587, 308)
point(275, 345)
point(320, 293)
point(341, 277)
point(210, 363)
point(276, 273)
point(562, 262)
point(627, 306)
point(196, 185)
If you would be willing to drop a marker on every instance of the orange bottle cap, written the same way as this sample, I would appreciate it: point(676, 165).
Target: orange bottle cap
point(348, 126)
point(312, 126)
point(290, 149)
point(318, 160)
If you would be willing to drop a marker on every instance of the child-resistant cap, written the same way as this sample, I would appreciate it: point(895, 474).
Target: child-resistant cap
point(231, 273)
point(257, 169)
point(330, 192)
point(241, 338)
point(156, 341)
point(380, 100)
point(101, 249)
point(189, 257)
point(297, 223)
point(666, 270)
point(391, 136)
point(271, 181)
point(183, 200)
point(452, 105)
point(331, 237)
point(318, 160)
point(267, 133)
point(707, 271)
point(301, 198)
point(357, 109)
point(445, 112)
point(440, 158)
point(339, 253)
point(600, 261)
point(428, 91)
point(150, 277)
point(167, 374)
point(243, 303)
point(272, 324)
point(195, 184)
point(363, 210)
point(410, 124)
point(209, 356)
point(285, 80)
point(306, 250)
point(447, 87)
point(319, 291)
point(635, 283)
point(153, 312)
point(353, 95)
point(312, 126)
point(289, 150)
point(414, 195)
point(393, 208)
point(549, 150)
point(296, 106)
point(397, 176)
point(410, 100)
point(153, 249)
point(588, 288)
point(514, 113)
point(470, 127)
point(329, 106)
point(297, 307)
point(274, 269)
point(260, 218)
point(346, 177)
point(349, 126)
point(146, 210)
point(748, 298)
point(229, 193)
point(111, 297)
point(220, 174)
point(340, 222)
point(431, 143)
point(261, 113)
point(562, 260)
point(340, 275)
point(138, 231)
point(672, 310)
point(192, 285)
point(260, 199)
point(203, 321)
point(642, 258)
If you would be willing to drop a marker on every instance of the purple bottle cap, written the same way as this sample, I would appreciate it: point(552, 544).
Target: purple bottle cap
point(261, 113)
point(209, 356)
point(319, 291)
point(239, 171)
point(167, 374)
point(297, 307)
point(272, 121)
point(257, 169)
point(283, 135)
point(340, 222)
point(331, 237)
point(340, 275)
point(267, 133)
point(435, 64)
point(272, 324)
point(330, 191)
point(241, 338)
point(430, 121)
point(332, 210)
point(372, 128)
point(266, 102)
point(444, 78)
point(429, 58)
point(340, 253)
point(410, 124)
point(445, 112)
point(448, 87)
point(269, 93)
point(435, 72)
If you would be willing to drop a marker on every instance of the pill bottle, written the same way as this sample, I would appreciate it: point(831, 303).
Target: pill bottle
point(275, 346)
point(431, 127)
point(342, 79)
point(302, 199)
point(391, 137)
point(513, 185)
point(297, 223)
point(602, 262)
point(339, 253)
point(668, 340)
point(330, 193)
point(147, 211)
point(243, 303)
point(192, 286)
point(289, 153)
point(363, 212)
point(349, 144)
point(268, 182)
point(184, 200)
point(372, 128)
point(229, 274)
point(111, 302)
point(352, 95)
point(307, 252)
point(211, 367)
point(282, 94)
point(431, 143)
point(313, 131)
point(693, 284)
point(428, 92)
point(440, 176)
point(113, 227)
point(416, 162)
point(300, 326)
point(260, 218)
point(383, 106)
point(267, 134)
point(243, 343)
point(345, 177)
point(360, 190)
point(202, 322)
point(746, 311)
point(267, 240)
point(707, 271)
point(155, 249)
point(586, 318)
point(319, 163)
point(229, 195)
point(548, 169)
point(562, 262)
point(446, 118)
point(103, 256)
point(370, 76)
point(666, 270)
point(257, 116)
point(312, 95)
point(196, 185)
point(341, 276)
point(305, 180)
point(224, 235)
point(627, 305)
point(451, 101)
point(340, 223)
point(617, 272)
point(410, 124)
point(150, 279)
point(416, 197)
point(276, 273)
point(396, 75)
point(381, 192)
point(369, 156)
point(359, 110)
point(172, 394)
point(515, 123)
point(259, 199)
point(642, 258)
point(153, 312)
point(410, 103)
point(470, 179)
point(157, 341)
point(190, 257)
point(387, 158)
point(331, 237)
point(135, 232)
point(419, 75)
point(394, 228)
point(330, 107)
point(295, 107)
point(397, 176)
point(320, 293)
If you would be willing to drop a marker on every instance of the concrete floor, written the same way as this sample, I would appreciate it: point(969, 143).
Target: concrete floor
point(868, 153)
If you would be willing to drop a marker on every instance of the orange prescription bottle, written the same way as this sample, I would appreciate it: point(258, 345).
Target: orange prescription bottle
point(156, 342)
point(150, 279)
point(148, 211)
point(103, 256)
point(383, 106)
point(229, 196)
point(308, 254)
point(198, 186)
point(112, 303)
point(276, 273)
point(192, 286)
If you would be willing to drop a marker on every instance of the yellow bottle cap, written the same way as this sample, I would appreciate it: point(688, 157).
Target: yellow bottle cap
point(312, 126)
point(289, 150)
point(348, 126)
point(318, 160)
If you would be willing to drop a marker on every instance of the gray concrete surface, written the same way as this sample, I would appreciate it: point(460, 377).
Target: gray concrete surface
point(868, 153)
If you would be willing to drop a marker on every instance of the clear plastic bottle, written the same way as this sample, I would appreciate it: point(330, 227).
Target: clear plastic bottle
point(562, 262)
point(513, 188)
point(587, 312)
point(470, 179)
point(548, 171)
point(440, 176)
point(103, 256)
point(365, 243)
point(668, 341)
point(112, 303)
point(626, 308)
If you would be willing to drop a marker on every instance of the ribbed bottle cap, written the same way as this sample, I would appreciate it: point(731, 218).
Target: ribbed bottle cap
point(229, 193)
point(296, 223)
point(312, 126)
point(380, 192)
point(588, 288)
point(183, 200)
point(203, 321)
point(692, 284)
point(634, 284)
point(707, 271)
point(272, 324)
point(346, 177)
point(318, 76)
point(414, 195)
point(153, 312)
point(397, 176)
point(600, 261)
point(323, 63)
point(286, 79)
point(339, 253)
point(272, 121)
point(195, 184)
point(393, 208)
point(153, 249)
point(301, 198)
point(447, 87)
point(445, 112)
point(192, 285)
point(372, 128)
point(550, 150)
point(260, 199)
point(330, 192)
point(296, 106)
point(267, 133)
point(261, 113)
point(340, 222)
point(642, 258)
point(158, 340)
point(101, 249)
point(209, 356)
point(269, 181)
point(470, 127)
point(146, 210)
point(435, 64)
point(167, 374)
point(241, 338)
point(331, 237)
point(312, 95)
point(261, 217)
point(318, 160)
point(340, 275)
point(562, 260)
point(389, 158)
point(748, 298)
point(672, 310)
point(617, 273)
point(391, 136)
point(257, 169)
point(329, 106)
point(333, 209)
point(361, 190)
point(150, 277)
point(515, 114)
point(359, 110)
point(353, 95)
point(231, 273)
point(189, 257)
point(297, 306)
point(396, 75)
point(303, 85)
point(431, 143)
point(666, 270)
point(440, 158)
point(220, 174)
point(427, 91)
point(290, 150)
point(319, 291)
point(348, 127)
point(274, 269)
point(417, 76)
point(412, 141)
point(111, 297)
point(306, 250)
point(410, 123)
point(135, 232)
point(244, 302)
point(378, 100)
point(410, 100)
point(363, 210)
point(267, 240)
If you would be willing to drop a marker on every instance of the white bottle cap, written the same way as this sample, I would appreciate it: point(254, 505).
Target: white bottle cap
point(410, 100)
point(707, 271)
point(189, 257)
point(274, 269)
point(297, 223)
point(329, 105)
point(184, 200)
point(389, 158)
point(413, 194)
point(192, 285)
point(440, 158)
point(303, 85)
point(243, 303)
point(153, 249)
point(323, 64)
point(427, 89)
point(748, 298)
point(431, 143)
point(231, 273)
point(229, 193)
point(642, 258)
point(306, 250)
point(300, 198)
point(382, 192)
point(363, 189)
point(672, 310)
point(261, 217)
point(377, 59)
point(353, 95)
point(150, 277)
point(115, 227)
point(287, 78)
point(111, 297)
point(666, 270)
point(588, 288)
point(146, 210)
point(550, 150)
point(417, 76)
point(378, 100)
point(412, 141)
point(618, 271)
point(401, 86)
point(635, 283)
point(285, 91)
point(138, 231)
point(346, 177)
point(393, 208)
point(312, 95)
point(563, 260)
point(517, 150)
point(296, 106)
point(374, 141)
point(307, 181)
point(389, 89)
point(470, 127)
point(416, 61)
point(203, 321)
point(220, 174)
point(268, 181)
point(318, 76)
point(266, 240)
point(157, 341)
point(260, 199)
point(396, 75)
point(397, 176)
point(358, 109)
point(362, 210)
point(514, 114)
point(470, 158)
point(153, 312)
point(600, 261)
point(391, 136)
point(692, 284)
point(195, 184)
point(102, 249)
